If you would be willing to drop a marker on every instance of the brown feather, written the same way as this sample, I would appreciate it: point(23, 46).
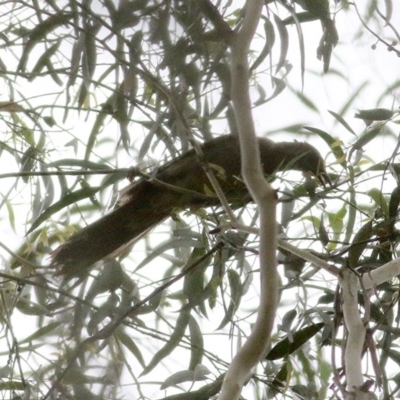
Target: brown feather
point(145, 203)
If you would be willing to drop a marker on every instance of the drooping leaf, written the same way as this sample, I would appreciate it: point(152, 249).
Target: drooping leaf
point(44, 60)
point(377, 196)
point(306, 101)
point(342, 121)
point(127, 341)
point(196, 343)
point(39, 32)
point(193, 284)
point(268, 45)
point(172, 244)
point(366, 138)
point(41, 332)
point(173, 341)
point(286, 347)
point(359, 243)
point(394, 203)
point(322, 232)
point(235, 287)
point(67, 200)
point(200, 374)
point(284, 41)
point(107, 309)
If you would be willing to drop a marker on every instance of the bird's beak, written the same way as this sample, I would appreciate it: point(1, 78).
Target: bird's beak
point(324, 179)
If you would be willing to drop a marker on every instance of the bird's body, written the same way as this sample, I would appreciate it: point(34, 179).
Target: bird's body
point(146, 203)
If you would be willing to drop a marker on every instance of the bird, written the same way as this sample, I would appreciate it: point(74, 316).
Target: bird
point(179, 184)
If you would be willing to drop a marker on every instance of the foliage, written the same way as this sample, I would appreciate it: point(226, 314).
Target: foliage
point(91, 88)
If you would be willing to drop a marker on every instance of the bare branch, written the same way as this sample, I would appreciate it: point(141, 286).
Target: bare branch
point(265, 197)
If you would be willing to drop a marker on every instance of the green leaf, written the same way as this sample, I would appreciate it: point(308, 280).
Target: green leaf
point(394, 202)
point(173, 342)
point(377, 196)
point(286, 347)
point(44, 60)
point(306, 101)
point(196, 343)
point(193, 284)
point(342, 121)
point(127, 341)
point(322, 233)
point(284, 40)
point(67, 200)
point(49, 120)
point(375, 114)
point(303, 16)
point(43, 331)
point(172, 244)
point(236, 290)
point(39, 32)
point(359, 243)
point(366, 138)
point(11, 215)
point(268, 45)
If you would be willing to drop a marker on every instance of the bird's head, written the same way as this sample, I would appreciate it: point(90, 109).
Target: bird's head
point(304, 157)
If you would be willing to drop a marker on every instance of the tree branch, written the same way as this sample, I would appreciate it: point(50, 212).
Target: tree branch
point(356, 335)
point(265, 198)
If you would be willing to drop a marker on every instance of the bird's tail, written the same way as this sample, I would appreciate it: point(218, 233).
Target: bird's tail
point(146, 207)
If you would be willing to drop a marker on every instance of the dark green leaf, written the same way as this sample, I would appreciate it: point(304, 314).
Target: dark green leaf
point(285, 347)
point(284, 40)
point(196, 343)
point(359, 243)
point(376, 114)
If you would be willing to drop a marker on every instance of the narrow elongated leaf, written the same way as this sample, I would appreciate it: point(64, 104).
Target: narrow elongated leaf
point(284, 41)
point(322, 232)
point(43, 331)
point(44, 60)
point(172, 244)
point(342, 121)
point(377, 196)
point(186, 376)
point(279, 87)
point(69, 199)
point(268, 45)
point(235, 287)
point(193, 284)
point(303, 16)
point(127, 341)
point(306, 101)
point(363, 140)
point(394, 202)
point(286, 347)
point(173, 342)
point(39, 32)
point(196, 343)
point(352, 98)
point(359, 243)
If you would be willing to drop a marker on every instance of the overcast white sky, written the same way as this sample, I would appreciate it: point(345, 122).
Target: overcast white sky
point(379, 68)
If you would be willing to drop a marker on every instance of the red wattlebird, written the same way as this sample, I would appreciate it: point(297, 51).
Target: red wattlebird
point(146, 203)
